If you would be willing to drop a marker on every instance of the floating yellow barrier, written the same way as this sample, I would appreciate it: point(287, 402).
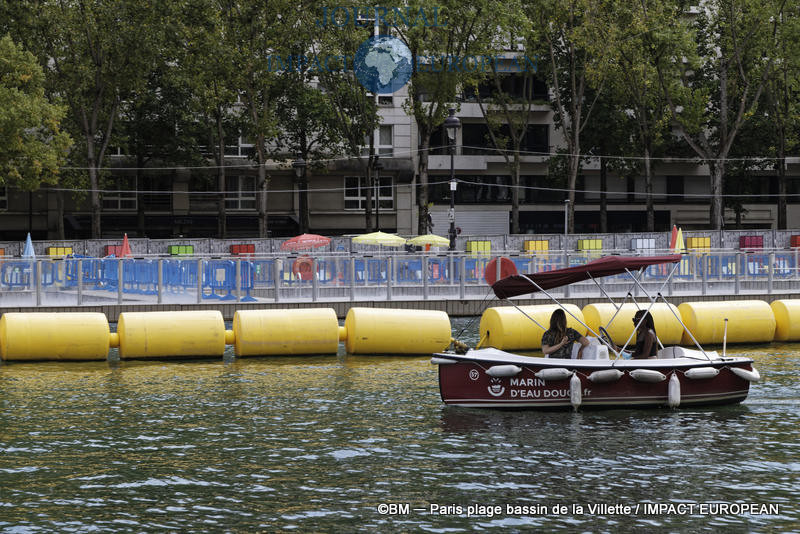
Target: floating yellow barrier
point(668, 327)
point(506, 328)
point(272, 332)
point(749, 321)
point(54, 336)
point(787, 320)
point(173, 334)
point(388, 331)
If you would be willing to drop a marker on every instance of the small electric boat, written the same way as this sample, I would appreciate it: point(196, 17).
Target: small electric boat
point(678, 376)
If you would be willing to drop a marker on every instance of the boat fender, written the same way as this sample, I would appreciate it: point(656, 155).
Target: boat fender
point(701, 372)
point(750, 376)
point(674, 391)
point(575, 391)
point(503, 370)
point(557, 373)
point(441, 361)
point(647, 375)
point(606, 375)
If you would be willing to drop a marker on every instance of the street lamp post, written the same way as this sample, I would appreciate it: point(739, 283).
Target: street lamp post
point(377, 166)
point(299, 166)
point(451, 126)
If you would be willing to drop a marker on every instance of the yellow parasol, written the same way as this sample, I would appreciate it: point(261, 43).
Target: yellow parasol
point(380, 238)
point(429, 239)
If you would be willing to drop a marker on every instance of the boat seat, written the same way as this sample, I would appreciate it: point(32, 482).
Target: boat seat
point(592, 352)
point(682, 352)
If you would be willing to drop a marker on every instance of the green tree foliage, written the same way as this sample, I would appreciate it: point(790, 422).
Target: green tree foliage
point(619, 37)
point(32, 145)
point(713, 66)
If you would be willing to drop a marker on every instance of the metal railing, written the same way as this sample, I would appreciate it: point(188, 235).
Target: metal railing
point(349, 277)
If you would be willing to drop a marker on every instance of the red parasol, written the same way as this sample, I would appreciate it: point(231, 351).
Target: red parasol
point(125, 250)
point(305, 242)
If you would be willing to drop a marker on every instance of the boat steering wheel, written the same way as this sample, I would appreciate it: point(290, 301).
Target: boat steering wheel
point(606, 337)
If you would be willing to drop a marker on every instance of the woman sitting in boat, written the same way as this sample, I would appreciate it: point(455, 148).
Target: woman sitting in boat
point(557, 341)
point(646, 338)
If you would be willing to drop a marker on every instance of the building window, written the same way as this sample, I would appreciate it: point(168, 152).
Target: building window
point(383, 141)
point(3, 198)
point(121, 194)
point(674, 189)
point(355, 193)
point(240, 192)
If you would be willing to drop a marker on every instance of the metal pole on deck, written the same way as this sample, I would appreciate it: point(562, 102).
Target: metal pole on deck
point(725, 338)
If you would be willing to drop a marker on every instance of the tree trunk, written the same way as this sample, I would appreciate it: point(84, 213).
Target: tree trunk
point(94, 185)
point(603, 196)
point(716, 214)
point(422, 168)
point(648, 189)
point(368, 197)
point(574, 169)
point(515, 194)
point(261, 188)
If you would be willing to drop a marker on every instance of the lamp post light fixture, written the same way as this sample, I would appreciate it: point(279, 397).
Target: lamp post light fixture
point(451, 126)
point(299, 166)
point(377, 166)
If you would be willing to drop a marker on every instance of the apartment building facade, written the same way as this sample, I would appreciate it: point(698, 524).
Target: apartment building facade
point(163, 203)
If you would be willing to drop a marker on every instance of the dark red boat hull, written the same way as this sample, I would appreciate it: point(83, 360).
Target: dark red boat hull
point(466, 383)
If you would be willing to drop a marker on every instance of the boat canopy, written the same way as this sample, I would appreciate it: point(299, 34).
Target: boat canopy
point(519, 284)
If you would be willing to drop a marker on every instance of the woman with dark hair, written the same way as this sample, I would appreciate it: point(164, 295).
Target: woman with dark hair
point(646, 338)
point(558, 339)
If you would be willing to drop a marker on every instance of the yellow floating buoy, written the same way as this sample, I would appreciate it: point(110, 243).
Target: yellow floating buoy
point(787, 320)
point(172, 334)
point(668, 327)
point(749, 321)
point(54, 336)
point(508, 328)
point(388, 331)
point(303, 331)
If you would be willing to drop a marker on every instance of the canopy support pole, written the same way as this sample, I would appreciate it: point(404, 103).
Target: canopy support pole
point(669, 308)
point(569, 312)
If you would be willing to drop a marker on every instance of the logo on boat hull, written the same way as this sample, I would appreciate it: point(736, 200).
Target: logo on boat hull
point(473, 374)
point(496, 388)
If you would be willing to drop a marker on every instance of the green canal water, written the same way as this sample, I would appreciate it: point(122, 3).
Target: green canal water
point(321, 444)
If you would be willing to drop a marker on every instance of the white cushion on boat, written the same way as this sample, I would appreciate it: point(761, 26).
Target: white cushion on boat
point(592, 352)
point(682, 352)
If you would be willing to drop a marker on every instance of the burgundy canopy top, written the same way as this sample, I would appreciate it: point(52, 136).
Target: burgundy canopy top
point(513, 286)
